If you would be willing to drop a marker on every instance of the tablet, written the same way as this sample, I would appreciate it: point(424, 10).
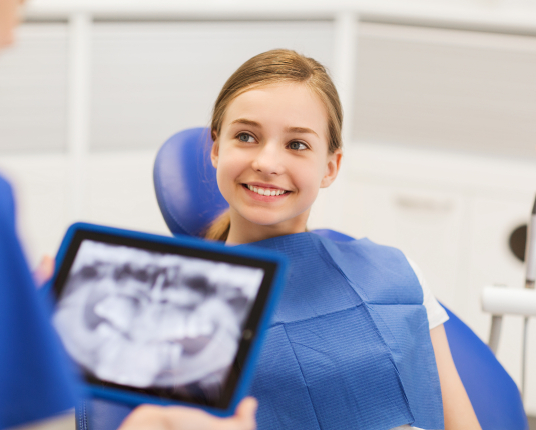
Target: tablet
point(164, 320)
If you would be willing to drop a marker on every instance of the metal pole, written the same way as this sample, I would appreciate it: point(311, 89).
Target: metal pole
point(530, 277)
point(524, 357)
point(79, 107)
point(344, 75)
point(345, 65)
point(495, 332)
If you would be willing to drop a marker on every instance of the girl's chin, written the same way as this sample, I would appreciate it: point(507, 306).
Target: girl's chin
point(278, 220)
point(263, 222)
point(285, 225)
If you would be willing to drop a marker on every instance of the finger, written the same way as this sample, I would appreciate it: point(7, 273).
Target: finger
point(244, 417)
point(44, 271)
point(145, 417)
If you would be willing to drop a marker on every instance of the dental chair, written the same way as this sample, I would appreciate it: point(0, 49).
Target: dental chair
point(189, 199)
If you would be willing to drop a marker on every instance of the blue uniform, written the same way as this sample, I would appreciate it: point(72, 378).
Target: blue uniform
point(35, 379)
point(349, 345)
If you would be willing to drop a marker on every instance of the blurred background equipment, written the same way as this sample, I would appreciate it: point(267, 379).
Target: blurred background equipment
point(440, 103)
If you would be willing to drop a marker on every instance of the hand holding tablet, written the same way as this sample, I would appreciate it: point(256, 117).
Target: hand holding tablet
point(150, 417)
point(156, 319)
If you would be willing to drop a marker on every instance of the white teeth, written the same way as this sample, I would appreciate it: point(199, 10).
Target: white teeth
point(265, 192)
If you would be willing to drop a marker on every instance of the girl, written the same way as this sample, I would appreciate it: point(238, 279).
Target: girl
point(351, 344)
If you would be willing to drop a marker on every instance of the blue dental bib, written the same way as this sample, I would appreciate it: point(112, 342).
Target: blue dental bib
point(349, 345)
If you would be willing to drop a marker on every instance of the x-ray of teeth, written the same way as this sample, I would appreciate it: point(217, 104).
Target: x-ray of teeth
point(151, 320)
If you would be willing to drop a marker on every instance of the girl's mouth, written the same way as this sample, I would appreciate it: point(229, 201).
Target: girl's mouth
point(265, 191)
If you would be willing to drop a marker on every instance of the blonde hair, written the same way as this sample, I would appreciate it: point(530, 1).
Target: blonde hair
point(276, 67)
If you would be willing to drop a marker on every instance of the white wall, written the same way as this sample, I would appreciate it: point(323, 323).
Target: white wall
point(440, 151)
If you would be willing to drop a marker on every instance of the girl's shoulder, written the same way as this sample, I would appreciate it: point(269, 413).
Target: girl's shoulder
point(404, 273)
point(344, 248)
point(380, 274)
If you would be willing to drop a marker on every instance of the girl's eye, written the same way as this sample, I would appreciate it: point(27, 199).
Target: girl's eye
point(297, 146)
point(245, 137)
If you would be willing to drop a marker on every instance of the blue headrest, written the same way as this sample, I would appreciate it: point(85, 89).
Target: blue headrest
point(185, 182)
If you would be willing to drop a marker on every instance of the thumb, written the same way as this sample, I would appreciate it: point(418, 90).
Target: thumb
point(244, 416)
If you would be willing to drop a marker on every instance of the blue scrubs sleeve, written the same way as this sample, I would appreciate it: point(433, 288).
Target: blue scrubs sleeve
point(36, 379)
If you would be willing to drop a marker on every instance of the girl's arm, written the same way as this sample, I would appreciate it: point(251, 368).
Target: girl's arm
point(458, 411)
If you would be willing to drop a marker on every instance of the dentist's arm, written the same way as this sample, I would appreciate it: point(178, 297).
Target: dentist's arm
point(149, 417)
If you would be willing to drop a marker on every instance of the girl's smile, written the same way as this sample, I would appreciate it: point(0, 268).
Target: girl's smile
point(265, 192)
point(272, 158)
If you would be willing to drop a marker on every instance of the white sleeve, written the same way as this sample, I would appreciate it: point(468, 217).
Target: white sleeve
point(436, 314)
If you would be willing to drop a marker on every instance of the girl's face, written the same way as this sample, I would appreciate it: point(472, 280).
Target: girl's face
point(272, 158)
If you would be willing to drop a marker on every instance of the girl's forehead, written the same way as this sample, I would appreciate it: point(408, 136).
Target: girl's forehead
point(289, 104)
point(286, 92)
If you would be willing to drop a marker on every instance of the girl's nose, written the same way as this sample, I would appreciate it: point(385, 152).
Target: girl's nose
point(268, 160)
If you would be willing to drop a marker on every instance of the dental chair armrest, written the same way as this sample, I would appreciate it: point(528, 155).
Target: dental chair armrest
point(509, 301)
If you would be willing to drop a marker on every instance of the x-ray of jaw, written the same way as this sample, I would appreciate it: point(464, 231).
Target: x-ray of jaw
point(146, 319)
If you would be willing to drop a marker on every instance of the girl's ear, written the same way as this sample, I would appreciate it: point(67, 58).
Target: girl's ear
point(214, 153)
point(332, 168)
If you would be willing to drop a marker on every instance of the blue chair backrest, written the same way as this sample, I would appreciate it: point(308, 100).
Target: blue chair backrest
point(185, 182)
point(494, 395)
point(186, 190)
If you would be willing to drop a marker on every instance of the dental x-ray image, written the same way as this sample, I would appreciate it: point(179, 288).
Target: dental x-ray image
point(150, 320)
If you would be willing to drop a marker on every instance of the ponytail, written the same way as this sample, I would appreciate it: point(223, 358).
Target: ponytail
point(219, 228)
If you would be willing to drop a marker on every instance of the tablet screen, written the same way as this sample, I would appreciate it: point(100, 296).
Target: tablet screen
point(156, 319)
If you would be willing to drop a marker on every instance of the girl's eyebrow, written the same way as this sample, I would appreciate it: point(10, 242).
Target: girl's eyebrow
point(246, 121)
point(301, 130)
point(288, 129)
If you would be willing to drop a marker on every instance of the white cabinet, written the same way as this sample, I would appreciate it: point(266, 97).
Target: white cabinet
point(33, 90)
point(425, 225)
point(40, 184)
point(121, 191)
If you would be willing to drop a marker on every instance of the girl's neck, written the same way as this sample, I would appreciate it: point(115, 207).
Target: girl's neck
point(242, 231)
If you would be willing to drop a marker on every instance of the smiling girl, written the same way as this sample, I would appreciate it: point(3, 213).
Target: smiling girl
point(357, 340)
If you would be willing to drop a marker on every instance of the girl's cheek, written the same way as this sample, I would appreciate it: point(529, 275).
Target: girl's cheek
point(235, 159)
